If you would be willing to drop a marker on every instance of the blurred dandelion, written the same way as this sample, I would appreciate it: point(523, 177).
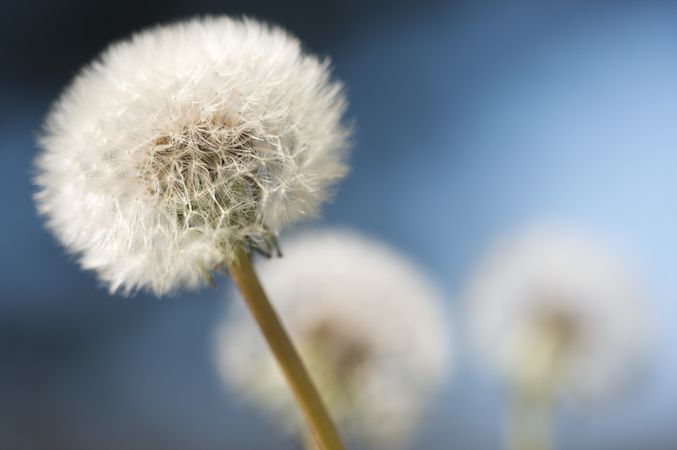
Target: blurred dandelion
point(555, 314)
point(182, 149)
point(375, 339)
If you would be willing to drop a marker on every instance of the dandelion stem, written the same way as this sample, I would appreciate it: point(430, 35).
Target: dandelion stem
point(309, 442)
point(286, 355)
point(529, 419)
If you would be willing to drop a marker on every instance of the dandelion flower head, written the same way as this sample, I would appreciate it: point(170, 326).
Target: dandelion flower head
point(184, 141)
point(368, 323)
point(550, 305)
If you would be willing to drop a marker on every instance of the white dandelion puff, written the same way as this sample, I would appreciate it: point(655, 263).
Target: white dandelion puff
point(551, 307)
point(183, 141)
point(369, 325)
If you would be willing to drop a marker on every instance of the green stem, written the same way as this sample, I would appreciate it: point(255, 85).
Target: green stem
point(530, 419)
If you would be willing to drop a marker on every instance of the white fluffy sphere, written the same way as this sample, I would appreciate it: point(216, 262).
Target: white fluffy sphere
point(183, 141)
point(371, 327)
point(551, 289)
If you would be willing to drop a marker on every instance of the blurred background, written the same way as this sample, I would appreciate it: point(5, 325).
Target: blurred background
point(472, 118)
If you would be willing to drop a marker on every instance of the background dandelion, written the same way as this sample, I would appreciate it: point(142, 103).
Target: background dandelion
point(555, 313)
point(371, 327)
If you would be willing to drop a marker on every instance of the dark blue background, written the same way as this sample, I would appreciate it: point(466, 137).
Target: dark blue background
point(471, 120)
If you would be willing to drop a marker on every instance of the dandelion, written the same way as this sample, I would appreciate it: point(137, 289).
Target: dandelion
point(182, 142)
point(183, 148)
point(556, 315)
point(375, 338)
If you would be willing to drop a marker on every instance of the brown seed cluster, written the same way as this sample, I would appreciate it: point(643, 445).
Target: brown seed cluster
point(345, 353)
point(211, 175)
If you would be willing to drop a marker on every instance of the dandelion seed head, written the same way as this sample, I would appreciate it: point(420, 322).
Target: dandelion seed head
point(370, 326)
point(183, 141)
point(550, 305)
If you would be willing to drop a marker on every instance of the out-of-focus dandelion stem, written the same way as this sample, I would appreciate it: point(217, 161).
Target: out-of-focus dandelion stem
point(307, 396)
point(529, 419)
point(309, 442)
point(532, 396)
